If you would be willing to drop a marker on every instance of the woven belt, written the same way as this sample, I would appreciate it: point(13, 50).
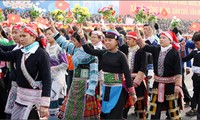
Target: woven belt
point(112, 77)
point(164, 79)
point(81, 73)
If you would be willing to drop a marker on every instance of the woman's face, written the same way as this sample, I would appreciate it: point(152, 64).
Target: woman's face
point(164, 41)
point(26, 39)
point(131, 42)
point(16, 35)
point(111, 43)
point(49, 35)
point(94, 39)
point(76, 43)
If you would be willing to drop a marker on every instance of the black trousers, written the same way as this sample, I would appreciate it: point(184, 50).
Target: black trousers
point(187, 97)
point(196, 85)
point(193, 99)
point(117, 111)
point(3, 99)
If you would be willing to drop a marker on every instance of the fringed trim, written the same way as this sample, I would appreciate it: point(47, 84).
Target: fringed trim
point(171, 97)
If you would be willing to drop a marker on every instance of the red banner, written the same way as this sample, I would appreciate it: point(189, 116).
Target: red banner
point(180, 9)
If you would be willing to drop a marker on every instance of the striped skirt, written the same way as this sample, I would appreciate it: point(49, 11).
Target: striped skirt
point(11, 98)
point(77, 107)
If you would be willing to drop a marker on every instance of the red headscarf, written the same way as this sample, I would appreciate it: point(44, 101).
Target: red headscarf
point(33, 30)
point(171, 35)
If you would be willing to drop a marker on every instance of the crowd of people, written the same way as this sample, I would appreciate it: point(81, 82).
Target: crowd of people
point(72, 73)
point(96, 18)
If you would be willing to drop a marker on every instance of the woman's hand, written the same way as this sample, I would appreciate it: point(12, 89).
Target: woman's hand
point(177, 90)
point(44, 112)
point(80, 33)
point(135, 85)
point(137, 32)
point(134, 97)
point(51, 22)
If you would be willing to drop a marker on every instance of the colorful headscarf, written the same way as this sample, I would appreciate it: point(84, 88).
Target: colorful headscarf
point(117, 35)
point(31, 29)
point(172, 37)
point(98, 33)
point(17, 27)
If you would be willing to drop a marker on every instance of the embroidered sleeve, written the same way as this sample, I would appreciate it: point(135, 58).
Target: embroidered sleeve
point(93, 79)
point(150, 65)
point(45, 101)
point(63, 43)
point(63, 62)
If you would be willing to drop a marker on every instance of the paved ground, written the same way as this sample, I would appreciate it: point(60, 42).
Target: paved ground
point(188, 83)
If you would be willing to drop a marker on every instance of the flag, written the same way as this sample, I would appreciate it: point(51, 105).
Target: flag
point(12, 18)
point(62, 5)
point(41, 20)
point(164, 13)
point(195, 27)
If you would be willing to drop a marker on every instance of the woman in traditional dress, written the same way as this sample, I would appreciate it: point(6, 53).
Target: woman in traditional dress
point(59, 66)
point(115, 67)
point(16, 31)
point(96, 38)
point(167, 80)
point(33, 76)
point(82, 100)
point(137, 59)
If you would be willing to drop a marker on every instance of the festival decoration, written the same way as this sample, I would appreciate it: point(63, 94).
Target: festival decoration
point(108, 13)
point(1, 15)
point(194, 27)
point(175, 22)
point(62, 5)
point(35, 12)
point(143, 15)
point(41, 20)
point(69, 17)
point(12, 18)
point(58, 15)
point(164, 12)
point(80, 13)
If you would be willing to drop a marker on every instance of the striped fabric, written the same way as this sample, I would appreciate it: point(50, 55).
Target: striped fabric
point(18, 112)
point(11, 98)
point(77, 107)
